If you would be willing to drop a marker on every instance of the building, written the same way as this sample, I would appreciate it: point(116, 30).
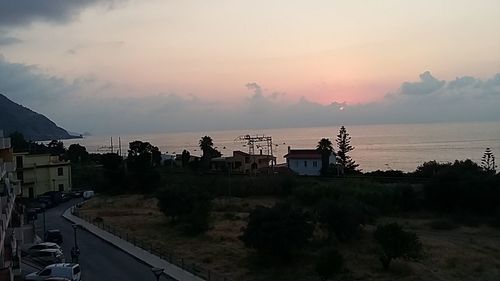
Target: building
point(40, 173)
point(242, 162)
point(11, 217)
point(306, 162)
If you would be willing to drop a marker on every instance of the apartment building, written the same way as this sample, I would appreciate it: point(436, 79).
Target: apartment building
point(40, 173)
point(11, 217)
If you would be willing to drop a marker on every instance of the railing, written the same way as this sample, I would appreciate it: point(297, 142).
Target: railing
point(195, 269)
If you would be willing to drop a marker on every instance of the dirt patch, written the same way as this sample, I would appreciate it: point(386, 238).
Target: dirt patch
point(461, 253)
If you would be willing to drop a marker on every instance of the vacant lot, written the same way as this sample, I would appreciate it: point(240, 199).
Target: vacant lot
point(451, 253)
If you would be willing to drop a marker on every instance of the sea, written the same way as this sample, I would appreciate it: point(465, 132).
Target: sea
point(377, 147)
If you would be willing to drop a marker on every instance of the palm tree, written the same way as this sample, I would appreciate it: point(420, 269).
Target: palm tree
point(206, 145)
point(325, 147)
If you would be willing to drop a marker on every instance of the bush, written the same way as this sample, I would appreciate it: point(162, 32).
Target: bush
point(186, 204)
point(396, 243)
point(277, 231)
point(463, 186)
point(329, 263)
point(342, 218)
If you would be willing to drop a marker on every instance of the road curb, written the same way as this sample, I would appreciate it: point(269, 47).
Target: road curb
point(140, 254)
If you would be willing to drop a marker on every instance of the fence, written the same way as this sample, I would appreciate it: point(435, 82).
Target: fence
point(191, 267)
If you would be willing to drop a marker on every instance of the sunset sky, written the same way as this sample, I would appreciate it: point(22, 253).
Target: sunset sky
point(226, 54)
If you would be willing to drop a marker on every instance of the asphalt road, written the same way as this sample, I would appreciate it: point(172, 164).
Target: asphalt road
point(98, 260)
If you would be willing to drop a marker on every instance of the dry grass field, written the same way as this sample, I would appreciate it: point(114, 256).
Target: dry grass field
point(460, 253)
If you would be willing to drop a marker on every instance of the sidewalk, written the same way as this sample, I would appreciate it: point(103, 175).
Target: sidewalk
point(148, 258)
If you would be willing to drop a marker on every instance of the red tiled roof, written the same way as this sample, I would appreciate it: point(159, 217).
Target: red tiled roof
point(303, 154)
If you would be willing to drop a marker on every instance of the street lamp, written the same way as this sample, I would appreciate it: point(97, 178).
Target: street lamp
point(44, 225)
point(157, 272)
point(75, 251)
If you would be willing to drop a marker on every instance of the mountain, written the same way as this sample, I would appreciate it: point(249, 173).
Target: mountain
point(34, 126)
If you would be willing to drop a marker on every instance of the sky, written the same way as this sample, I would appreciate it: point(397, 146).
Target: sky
point(127, 66)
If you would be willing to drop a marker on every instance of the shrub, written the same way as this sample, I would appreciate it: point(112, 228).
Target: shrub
point(187, 204)
point(342, 218)
point(277, 231)
point(329, 263)
point(396, 243)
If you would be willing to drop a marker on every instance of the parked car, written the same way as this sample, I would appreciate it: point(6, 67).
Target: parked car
point(88, 194)
point(65, 197)
point(53, 235)
point(47, 201)
point(32, 214)
point(47, 256)
point(43, 246)
point(55, 196)
point(70, 271)
point(38, 206)
point(76, 194)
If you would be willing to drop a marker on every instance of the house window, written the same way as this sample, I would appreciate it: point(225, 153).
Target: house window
point(247, 159)
point(296, 164)
point(61, 187)
point(59, 171)
point(305, 163)
point(315, 164)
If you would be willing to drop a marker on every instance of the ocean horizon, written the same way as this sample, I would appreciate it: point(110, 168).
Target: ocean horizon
point(377, 147)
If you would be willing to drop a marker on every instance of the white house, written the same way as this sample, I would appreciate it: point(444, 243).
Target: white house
point(306, 162)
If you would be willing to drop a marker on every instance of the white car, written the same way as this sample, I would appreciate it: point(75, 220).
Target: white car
point(88, 194)
point(70, 271)
point(43, 246)
point(48, 256)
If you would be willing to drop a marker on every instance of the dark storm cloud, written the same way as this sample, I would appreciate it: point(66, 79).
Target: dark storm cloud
point(87, 104)
point(22, 12)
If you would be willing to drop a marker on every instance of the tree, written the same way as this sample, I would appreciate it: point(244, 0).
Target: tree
point(143, 155)
point(341, 218)
point(188, 204)
point(77, 153)
point(111, 161)
point(206, 143)
point(488, 161)
point(56, 147)
point(325, 147)
point(329, 263)
point(185, 158)
point(209, 152)
point(18, 142)
point(396, 243)
point(277, 231)
point(347, 164)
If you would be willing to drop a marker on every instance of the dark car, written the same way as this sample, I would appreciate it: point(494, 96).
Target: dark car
point(65, 197)
point(55, 196)
point(77, 194)
point(37, 206)
point(32, 214)
point(47, 200)
point(54, 236)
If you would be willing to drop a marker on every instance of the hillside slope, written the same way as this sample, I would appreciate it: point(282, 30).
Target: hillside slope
point(34, 126)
